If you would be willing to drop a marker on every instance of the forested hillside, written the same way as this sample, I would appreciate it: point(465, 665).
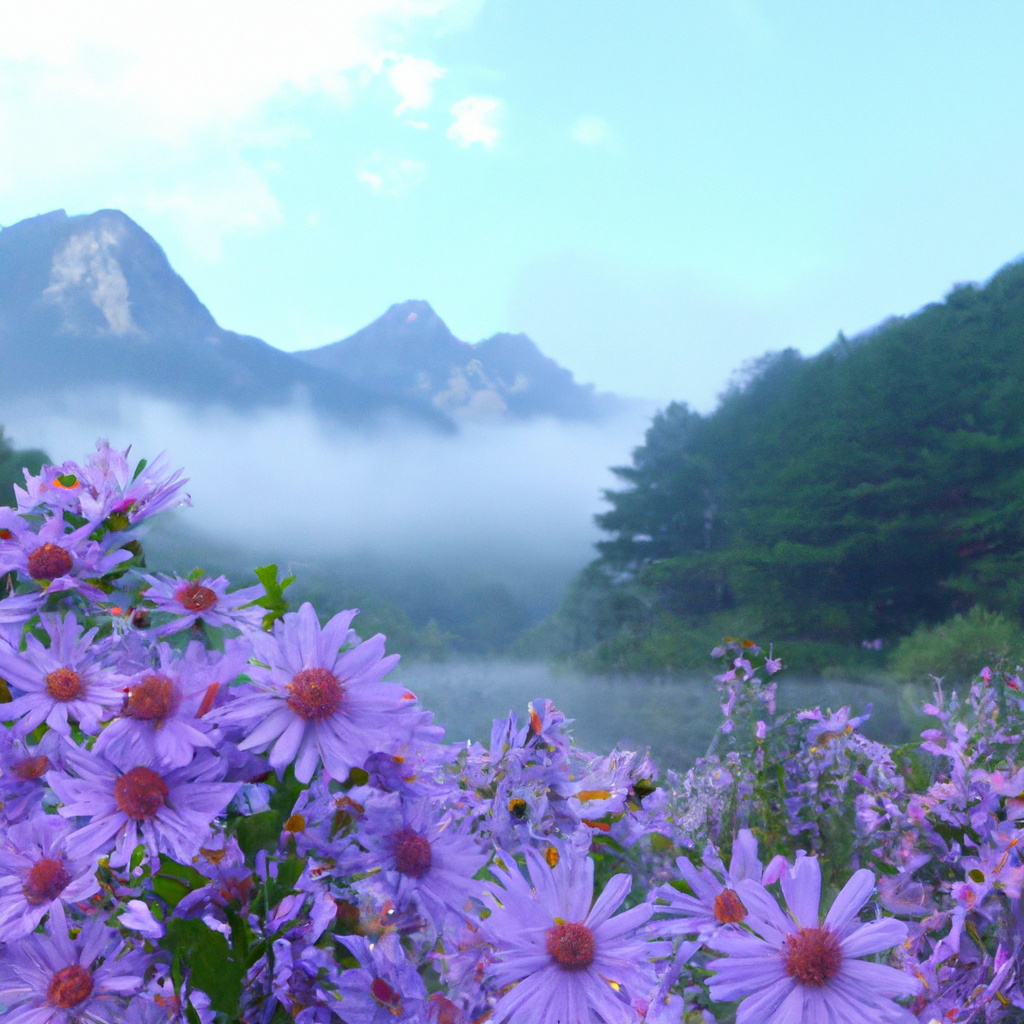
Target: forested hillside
point(11, 463)
point(844, 497)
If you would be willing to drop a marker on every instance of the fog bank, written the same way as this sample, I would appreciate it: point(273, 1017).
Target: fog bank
point(508, 500)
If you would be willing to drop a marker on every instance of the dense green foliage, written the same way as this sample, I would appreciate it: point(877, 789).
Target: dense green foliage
point(11, 463)
point(853, 495)
point(958, 649)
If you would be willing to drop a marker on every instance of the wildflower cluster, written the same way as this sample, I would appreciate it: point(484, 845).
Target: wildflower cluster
point(215, 809)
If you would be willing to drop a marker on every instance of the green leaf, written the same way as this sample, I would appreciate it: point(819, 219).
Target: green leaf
point(207, 955)
point(258, 832)
point(171, 890)
point(137, 854)
point(241, 937)
point(183, 872)
point(286, 792)
point(139, 468)
point(273, 600)
point(289, 872)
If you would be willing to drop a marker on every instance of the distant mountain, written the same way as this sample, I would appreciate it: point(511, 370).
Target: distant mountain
point(92, 300)
point(410, 351)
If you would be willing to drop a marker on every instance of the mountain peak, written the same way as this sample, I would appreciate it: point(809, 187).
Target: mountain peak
point(410, 350)
point(95, 295)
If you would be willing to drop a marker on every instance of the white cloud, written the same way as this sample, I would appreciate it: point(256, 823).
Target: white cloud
point(413, 79)
point(591, 130)
point(137, 98)
point(193, 64)
point(474, 121)
point(87, 262)
point(392, 177)
point(206, 211)
point(502, 494)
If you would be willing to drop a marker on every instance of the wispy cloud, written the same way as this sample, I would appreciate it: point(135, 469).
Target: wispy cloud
point(474, 121)
point(392, 177)
point(513, 497)
point(413, 79)
point(592, 130)
point(151, 95)
point(234, 199)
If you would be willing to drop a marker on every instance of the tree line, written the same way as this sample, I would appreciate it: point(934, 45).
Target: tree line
point(852, 495)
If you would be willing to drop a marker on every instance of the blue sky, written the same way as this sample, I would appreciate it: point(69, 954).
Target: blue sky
point(655, 192)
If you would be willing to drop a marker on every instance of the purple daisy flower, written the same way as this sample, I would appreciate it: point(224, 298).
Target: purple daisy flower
point(715, 902)
point(423, 859)
point(168, 810)
point(57, 487)
point(106, 486)
point(796, 969)
point(54, 559)
point(23, 769)
point(311, 701)
point(68, 679)
point(53, 979)
point(15, 611)
point(112, 487)
point(385, 988)
point(572, 961)
point(163, 708)
point(221, 860)
point(36, 870)
point(205, 599)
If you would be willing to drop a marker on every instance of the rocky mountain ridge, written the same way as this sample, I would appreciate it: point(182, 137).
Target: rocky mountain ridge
point(92, 301)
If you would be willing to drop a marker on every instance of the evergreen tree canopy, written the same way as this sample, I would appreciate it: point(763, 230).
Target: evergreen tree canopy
point(854, 494)
point(11, 464)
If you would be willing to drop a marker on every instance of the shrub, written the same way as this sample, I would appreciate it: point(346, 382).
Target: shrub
point(959, 647)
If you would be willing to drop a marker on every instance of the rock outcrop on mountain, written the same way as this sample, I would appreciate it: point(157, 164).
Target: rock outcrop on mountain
point(92, 301)
point(410, 351)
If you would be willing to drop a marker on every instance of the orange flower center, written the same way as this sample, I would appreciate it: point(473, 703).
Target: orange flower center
point(69, 987)
point(194, 597)
point(31, 767)
point(571, 945)
point(49, 562)
point(63, 684)
point(149, 699)
point(813, 956)
point(728, 907)
point(140, 793)
point(412, 853)
point(315, 694)
point(46, 880)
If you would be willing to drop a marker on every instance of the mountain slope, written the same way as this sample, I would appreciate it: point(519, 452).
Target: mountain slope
point(93, 300)
point(847, 496)
point(410, 351)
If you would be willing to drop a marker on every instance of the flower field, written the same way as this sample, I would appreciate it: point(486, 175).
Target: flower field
point(218, 809)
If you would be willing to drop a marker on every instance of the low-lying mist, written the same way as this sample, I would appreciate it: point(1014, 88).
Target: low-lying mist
point(505, 503)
